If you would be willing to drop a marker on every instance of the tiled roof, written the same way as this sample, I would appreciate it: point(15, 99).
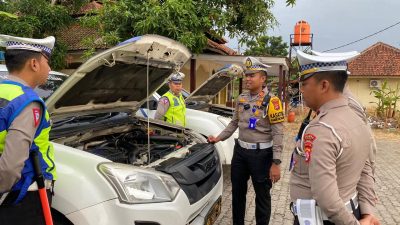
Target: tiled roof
point(219, 48)
point(379, 59)
point(91, 6)
point(74, 34)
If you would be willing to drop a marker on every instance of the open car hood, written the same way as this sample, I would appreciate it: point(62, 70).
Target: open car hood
point(116, 80)
point(211, 87)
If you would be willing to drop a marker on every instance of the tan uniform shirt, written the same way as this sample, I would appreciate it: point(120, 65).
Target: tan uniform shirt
point(162, 108)
point(264, 132)
point(366, 192)
point(337, 160)
point(17, 144)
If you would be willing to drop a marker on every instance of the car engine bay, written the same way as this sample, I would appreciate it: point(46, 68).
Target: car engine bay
point(123, 139)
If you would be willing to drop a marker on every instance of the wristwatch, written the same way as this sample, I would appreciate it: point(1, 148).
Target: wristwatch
point(276, 161)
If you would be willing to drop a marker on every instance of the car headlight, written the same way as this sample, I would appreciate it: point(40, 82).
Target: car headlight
point(135, 185)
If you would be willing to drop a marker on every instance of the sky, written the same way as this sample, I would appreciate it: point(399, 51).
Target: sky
point(338, 22)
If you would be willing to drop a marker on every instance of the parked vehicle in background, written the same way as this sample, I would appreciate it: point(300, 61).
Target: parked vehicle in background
point(202, 116)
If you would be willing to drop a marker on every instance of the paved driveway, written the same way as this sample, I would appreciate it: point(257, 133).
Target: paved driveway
point(387, 186)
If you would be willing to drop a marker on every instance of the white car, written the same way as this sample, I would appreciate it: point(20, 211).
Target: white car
point(107, 173)
point(201, 116)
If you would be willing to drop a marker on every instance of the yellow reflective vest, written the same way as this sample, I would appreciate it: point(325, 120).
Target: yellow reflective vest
point(176, 113)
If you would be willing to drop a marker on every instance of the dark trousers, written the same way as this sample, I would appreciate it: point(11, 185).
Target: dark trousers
point(27, 212)
point(254, 163)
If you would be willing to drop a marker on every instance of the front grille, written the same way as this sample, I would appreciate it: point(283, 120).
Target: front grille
point(197, 174)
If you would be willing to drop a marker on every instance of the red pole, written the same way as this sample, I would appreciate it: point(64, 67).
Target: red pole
point(42, 189)
point(45, 206)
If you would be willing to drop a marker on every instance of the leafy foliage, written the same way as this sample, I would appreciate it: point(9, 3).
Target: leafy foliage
point(387, 100)
point(38, 19)
point(267, 46)
point(187, 21)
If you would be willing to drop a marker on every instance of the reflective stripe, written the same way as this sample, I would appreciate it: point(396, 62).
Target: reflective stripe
point(34, 187)
point(176, 114)
point(47, 150)
point(10, 91)
point(248, 145)
point(336, 135)
point(3, 135)
point(3, 197)
point(301, 151)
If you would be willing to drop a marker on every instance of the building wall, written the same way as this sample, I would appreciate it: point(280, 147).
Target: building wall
point(361, 89)
point(204, 69)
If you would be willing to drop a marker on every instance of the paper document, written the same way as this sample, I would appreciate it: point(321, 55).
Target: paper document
point(307, 212)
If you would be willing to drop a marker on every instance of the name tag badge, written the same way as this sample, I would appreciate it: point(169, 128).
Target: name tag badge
point(176, 102)
point(252, 123)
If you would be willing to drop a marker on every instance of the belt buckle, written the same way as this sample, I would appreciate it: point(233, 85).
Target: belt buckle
point(253, 146)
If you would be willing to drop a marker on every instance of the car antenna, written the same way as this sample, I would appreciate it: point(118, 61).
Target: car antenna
point(147, 104)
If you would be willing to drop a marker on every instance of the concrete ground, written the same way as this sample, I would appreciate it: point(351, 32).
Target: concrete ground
point(387, 186)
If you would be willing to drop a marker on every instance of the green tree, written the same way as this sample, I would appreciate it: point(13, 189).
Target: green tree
point(267, 46)
point(187, 21)
point(38, 19)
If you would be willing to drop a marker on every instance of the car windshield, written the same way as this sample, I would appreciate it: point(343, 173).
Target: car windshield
point(45, 90)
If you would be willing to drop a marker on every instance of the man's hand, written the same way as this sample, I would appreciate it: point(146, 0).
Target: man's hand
point(213, 139)
point(275, 173)
point(369, 220)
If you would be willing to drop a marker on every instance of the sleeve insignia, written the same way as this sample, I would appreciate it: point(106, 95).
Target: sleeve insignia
point(275, 110)
point(308, 145)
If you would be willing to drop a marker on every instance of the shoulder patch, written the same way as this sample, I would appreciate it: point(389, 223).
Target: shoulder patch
point(309, 137)
point(164, 100)
point(308, 145)
point(36, 116)
point(275, 110)
point(276, 103)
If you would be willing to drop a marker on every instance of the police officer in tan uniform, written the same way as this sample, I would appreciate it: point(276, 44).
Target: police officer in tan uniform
point(358, 108)
point(257, 152)
point(27, 61)
point(331, 163)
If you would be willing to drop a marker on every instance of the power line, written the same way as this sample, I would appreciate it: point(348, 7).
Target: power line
point(380, 31)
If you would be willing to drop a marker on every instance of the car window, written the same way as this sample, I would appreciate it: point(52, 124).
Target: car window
point(162, 90)
point(45, 90)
